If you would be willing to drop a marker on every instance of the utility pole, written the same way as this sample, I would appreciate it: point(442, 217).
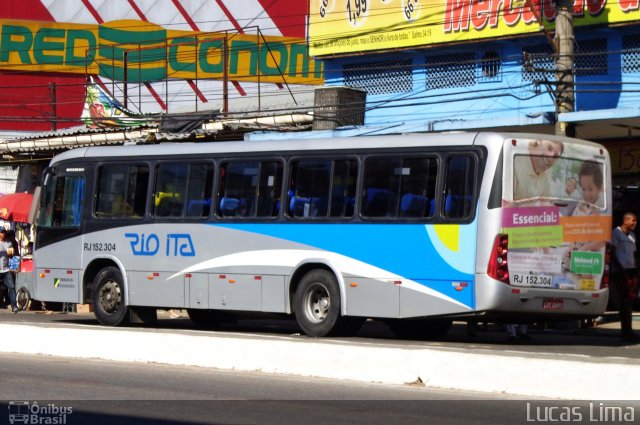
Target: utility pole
point(565, 98)
point(53, 96)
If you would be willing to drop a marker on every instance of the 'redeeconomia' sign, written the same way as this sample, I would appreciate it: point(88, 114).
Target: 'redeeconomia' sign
point(343, 26)
point(140, 52)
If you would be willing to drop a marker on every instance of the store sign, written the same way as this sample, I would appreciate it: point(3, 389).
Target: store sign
point(342, 26)
point(625, 157)
point(144, 52)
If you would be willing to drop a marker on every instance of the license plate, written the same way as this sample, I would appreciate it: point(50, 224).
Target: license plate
point(553, 304)
point(535, 280)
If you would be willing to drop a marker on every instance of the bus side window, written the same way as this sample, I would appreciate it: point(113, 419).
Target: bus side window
point(269, 188)
point(170, 189)
point(400, 187)
point(458, 193)
point(238, 189)
point(381, 183)
point(343, 188)
point(121, 191)
point(418, 186)
point(199, 190)
point(309, 188)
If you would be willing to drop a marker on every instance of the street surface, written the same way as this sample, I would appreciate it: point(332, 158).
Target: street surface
point(104, 392)
point(560, 363)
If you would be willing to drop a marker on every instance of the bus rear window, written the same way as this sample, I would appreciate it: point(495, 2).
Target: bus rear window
point(576, 186)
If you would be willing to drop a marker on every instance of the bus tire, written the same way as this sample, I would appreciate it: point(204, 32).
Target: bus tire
point(419, 329)
point(23, 299)
point(107, 295)
point(317, 304)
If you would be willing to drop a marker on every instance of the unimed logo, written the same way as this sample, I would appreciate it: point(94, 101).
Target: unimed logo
point(24, 412)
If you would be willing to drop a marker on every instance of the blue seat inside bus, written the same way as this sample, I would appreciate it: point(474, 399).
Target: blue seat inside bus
point(198, 207)
point(297, 206)
point(457, 205)
point(412, 205)
point(341, 204)
point(314, 206)
point(230, 207)
point(379, 202)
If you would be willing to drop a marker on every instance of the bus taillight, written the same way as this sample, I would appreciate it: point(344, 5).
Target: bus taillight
point(498, 266)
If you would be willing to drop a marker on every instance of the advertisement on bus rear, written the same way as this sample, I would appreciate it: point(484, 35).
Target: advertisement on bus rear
point(556, 214)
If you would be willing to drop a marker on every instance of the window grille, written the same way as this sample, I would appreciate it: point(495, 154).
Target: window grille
point(383, 77)
point(538, 62)
point(450, 70)
point(591, 57)
point(490, 67)
point(631, 53)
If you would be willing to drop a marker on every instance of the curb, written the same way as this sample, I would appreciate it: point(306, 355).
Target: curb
point(517, 373)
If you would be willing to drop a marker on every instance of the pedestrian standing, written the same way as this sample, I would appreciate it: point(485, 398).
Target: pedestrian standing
point(517, 332)
point(625, 272)
point(6, 277)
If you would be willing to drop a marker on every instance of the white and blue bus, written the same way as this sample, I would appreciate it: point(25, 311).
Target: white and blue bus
point(417, 230)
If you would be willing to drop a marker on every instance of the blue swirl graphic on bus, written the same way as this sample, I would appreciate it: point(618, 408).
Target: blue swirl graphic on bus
point(176, 244)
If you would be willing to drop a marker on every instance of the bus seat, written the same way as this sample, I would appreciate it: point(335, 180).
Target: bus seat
point(198, 207)
point(450, 204)
point(229, 206)
point(169, 207)
point(432, 207)
point(297, 206)
point(457, 205)
point(412, 205)
point(318, 206)
point(379, 202)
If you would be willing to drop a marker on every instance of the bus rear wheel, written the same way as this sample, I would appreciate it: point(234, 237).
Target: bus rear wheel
point(107, 295)
point(317, 306)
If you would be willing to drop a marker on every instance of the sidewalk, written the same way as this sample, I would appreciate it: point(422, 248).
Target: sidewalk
point(519, 371)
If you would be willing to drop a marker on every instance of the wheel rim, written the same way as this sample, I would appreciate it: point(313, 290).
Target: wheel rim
point(109, 296)
point(317, 303)
point(22, 298)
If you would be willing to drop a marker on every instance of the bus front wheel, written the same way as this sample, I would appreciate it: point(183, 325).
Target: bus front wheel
point(317, 306)
point(108, 297)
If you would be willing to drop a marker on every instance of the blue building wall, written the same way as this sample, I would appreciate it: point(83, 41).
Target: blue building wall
point(489, 84)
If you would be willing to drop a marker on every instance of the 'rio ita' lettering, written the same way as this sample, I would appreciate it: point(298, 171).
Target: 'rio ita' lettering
point(176, 244)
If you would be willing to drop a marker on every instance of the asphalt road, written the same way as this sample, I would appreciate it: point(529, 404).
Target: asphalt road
point(103, 392)
point(564, 364)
